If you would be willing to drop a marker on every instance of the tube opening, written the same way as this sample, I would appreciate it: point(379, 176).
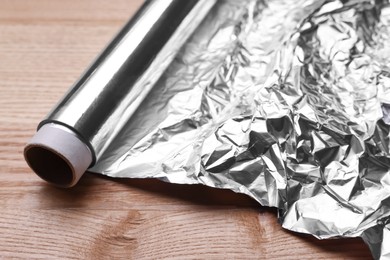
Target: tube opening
point(49, 165)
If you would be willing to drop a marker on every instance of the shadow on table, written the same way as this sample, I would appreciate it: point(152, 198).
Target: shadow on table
point(198, 195)
point(353, 248)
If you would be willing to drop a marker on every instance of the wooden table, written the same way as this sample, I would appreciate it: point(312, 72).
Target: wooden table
point(44, 46)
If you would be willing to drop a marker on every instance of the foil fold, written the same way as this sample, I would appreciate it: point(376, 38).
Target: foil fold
point(285, 101)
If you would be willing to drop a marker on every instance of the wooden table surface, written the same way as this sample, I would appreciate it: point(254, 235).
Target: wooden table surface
point(44, 46)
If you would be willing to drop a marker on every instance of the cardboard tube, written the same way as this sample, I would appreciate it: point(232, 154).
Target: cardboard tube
point(57, 155)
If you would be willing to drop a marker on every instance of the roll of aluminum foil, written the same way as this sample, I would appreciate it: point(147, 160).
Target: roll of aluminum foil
point(79, 129)
point(287, 101)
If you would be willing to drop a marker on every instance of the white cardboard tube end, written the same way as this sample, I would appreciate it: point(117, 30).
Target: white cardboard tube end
point(56, 155)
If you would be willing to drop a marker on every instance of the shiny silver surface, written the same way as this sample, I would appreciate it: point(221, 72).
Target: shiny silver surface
point(285, 101)
point(111, 90)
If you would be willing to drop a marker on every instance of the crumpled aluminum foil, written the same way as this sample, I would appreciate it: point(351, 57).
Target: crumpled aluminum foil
point(287, 101)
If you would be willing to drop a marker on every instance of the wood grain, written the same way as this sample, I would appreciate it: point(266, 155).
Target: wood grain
point(44, 46)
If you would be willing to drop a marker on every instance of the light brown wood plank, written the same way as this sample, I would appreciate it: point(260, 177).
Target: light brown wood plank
point(75, 11)
point(175, 234)
point(44, 46)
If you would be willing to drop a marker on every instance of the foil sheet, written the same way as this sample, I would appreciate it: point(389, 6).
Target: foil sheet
point(285, 101)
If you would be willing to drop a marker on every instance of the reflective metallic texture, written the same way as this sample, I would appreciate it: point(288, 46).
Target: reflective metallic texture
point(110, 91)
point(286, 101)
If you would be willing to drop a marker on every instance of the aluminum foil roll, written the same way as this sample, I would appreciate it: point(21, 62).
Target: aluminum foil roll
point(83, 124)
point(287, 101)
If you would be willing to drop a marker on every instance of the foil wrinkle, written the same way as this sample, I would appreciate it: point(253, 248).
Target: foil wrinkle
point(285, 101)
